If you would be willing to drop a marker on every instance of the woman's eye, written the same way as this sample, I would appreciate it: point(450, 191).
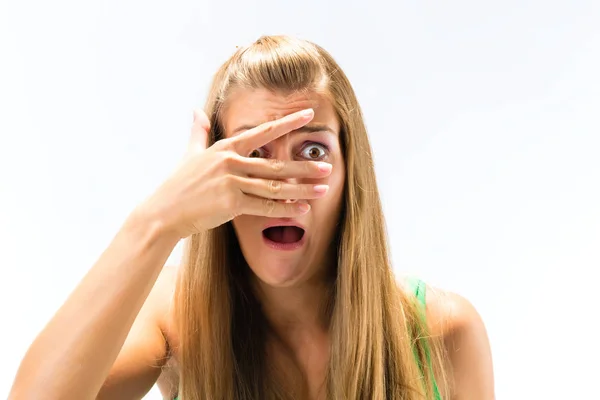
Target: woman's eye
point(257, 153)
point(314, 151)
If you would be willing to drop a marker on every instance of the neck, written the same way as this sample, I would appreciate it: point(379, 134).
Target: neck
point(296, 311)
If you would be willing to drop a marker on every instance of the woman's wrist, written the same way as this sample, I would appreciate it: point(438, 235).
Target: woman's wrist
point(149, 222)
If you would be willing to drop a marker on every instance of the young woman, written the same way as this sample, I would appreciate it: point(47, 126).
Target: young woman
point(286, 290)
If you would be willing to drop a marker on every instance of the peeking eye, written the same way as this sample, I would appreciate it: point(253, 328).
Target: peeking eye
point(314, 151)
point(257, 153)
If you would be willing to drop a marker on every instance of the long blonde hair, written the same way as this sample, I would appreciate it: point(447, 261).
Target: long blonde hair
point(380, 345)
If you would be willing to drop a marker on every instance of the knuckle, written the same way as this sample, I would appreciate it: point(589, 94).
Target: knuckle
point(220, 161)
point(310, 167)
point(269, 206)
point(269, 128)
point(229, 160)
point(232, 144)
point(274, 186)
point(230, 183)
point(291, 208)
point(306, 191)
point(222, 145)
point(277, 165)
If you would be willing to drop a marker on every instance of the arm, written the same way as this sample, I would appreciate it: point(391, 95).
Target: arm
point(74, 353)
point(146, 350)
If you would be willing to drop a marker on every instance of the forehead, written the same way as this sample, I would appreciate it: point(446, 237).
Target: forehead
point(252, 107)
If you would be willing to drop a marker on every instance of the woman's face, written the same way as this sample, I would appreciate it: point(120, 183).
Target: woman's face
point(310, 253)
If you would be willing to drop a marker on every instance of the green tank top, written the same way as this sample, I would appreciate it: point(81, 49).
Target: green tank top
point(419, 289)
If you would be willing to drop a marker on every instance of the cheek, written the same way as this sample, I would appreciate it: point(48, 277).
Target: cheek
point(337, 181)
point(240, 226)
point(332, 201)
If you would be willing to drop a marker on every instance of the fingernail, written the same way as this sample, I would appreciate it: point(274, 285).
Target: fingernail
point(321, 188)
point(307, 113)
point(303, 207)
point(324, 167)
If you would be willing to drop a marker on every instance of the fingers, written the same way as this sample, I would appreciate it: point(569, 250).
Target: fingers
point(272, 208)
point(278, 169)
point(259, 136)
point(199, 134)
point(278, 190)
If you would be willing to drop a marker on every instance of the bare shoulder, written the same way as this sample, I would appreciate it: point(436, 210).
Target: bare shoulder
point(457, 321)
point(449, 312)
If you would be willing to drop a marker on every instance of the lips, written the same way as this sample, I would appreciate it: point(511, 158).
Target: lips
point(284, 234)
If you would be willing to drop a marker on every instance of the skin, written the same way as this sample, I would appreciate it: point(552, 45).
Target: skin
point(290, 285)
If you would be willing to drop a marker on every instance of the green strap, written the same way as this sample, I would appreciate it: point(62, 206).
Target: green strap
point(419, 288)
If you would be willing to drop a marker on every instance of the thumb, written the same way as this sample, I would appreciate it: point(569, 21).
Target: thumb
point(199, 134)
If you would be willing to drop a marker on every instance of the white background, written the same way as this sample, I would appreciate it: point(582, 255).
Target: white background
point(484, 120)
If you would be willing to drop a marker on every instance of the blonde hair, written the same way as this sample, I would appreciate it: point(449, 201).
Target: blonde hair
point(380, 345)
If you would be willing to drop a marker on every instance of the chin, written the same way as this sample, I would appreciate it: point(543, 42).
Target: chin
point(276, 250)
point(278, 272)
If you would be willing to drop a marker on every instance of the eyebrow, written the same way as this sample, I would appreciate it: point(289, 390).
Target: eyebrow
point(312, 128)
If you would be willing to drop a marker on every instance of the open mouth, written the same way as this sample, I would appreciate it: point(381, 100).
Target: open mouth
point(284, 234)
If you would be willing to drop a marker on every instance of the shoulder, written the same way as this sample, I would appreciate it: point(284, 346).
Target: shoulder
point(455, 319)
point(449, 313)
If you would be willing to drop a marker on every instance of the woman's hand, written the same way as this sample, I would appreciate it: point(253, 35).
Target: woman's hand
point(214, 185)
